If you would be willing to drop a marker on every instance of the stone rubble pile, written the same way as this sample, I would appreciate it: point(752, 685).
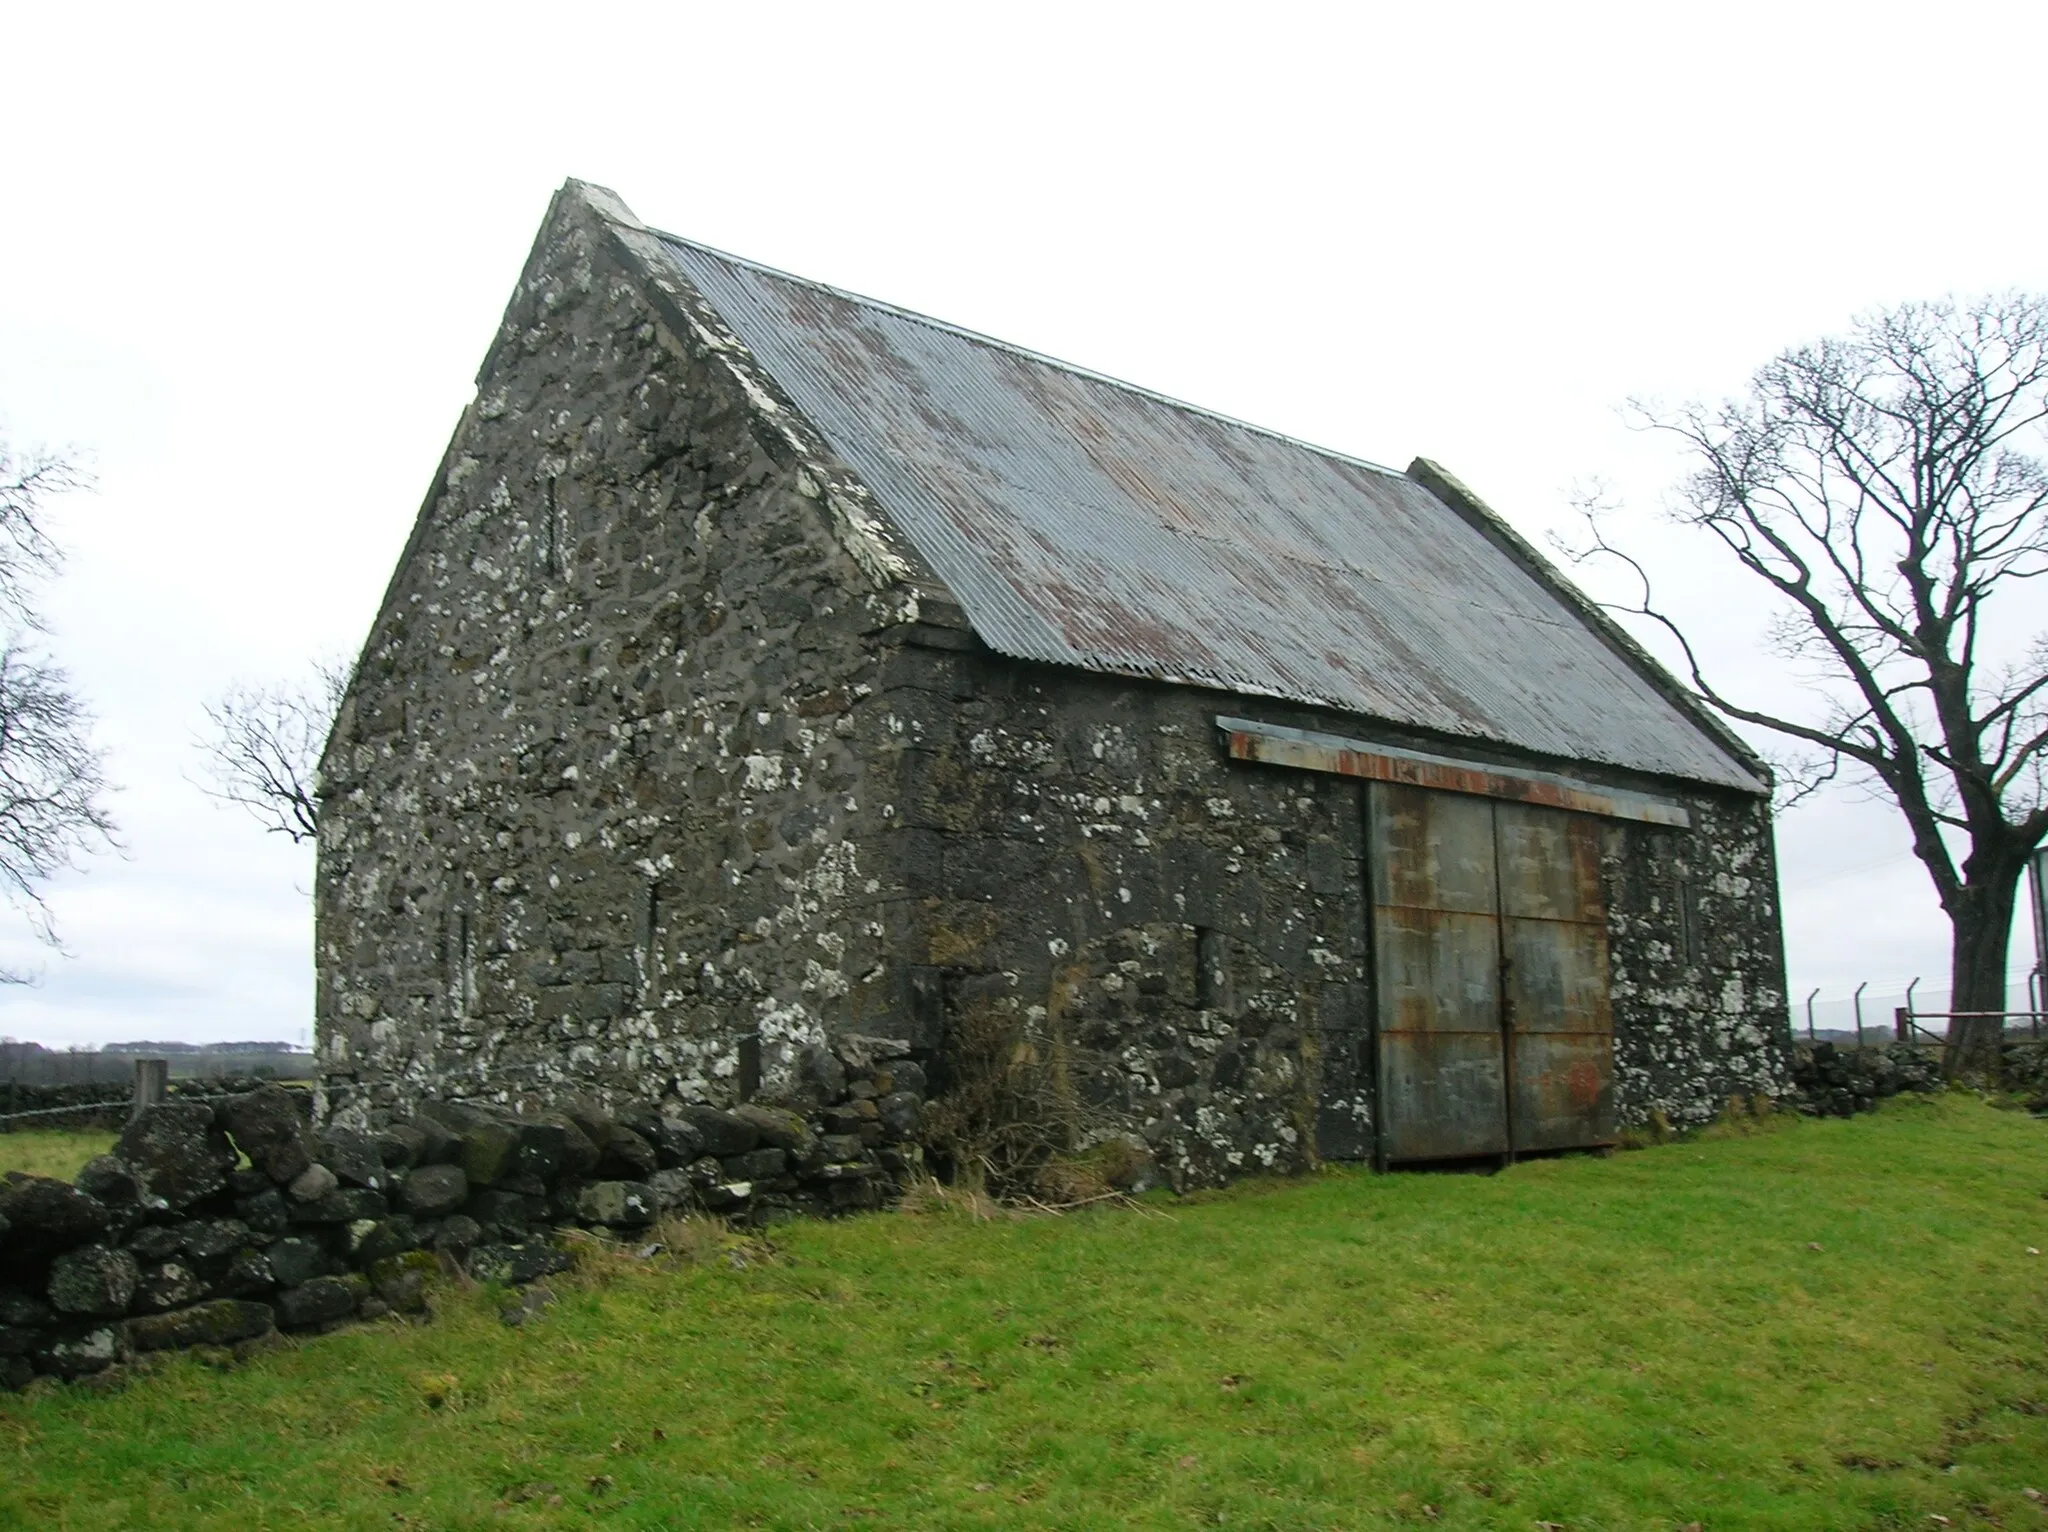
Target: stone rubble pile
point(173, 1241)
point(2023, 1065)
point(1831, 1081)
point(1840, 1082)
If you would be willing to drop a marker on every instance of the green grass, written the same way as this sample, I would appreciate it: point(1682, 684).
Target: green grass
point(61, 1155)
point(1636, 1342)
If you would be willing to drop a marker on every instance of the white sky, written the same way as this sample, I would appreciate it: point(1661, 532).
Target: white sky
point(253, 257)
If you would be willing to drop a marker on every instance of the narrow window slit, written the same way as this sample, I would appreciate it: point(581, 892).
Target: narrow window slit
point(650, 952)
point(461, 964)
point(1685, 915)
point(750, 1066)
point(553, 557)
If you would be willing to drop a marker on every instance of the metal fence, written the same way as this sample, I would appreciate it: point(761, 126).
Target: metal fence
point(107, 1104)
point(1870, 1014)
point(1908, 1025)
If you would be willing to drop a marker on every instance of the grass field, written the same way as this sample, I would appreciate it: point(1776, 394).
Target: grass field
point(61, 1155)
point(1822, 1325)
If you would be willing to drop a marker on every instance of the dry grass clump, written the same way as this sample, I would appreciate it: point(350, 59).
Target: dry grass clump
point(674, 1239)
point(932, 1198)
point(1010, 1124)
point(696, 1239)
point(1103, 1172)
point(1060, 1184)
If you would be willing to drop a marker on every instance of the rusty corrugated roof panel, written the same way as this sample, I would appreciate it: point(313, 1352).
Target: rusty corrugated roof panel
point(1081, 521)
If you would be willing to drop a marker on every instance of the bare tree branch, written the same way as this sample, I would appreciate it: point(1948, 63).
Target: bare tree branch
point(28, 554)
point(52, 782)
point(1888, 488)
point(262, 743)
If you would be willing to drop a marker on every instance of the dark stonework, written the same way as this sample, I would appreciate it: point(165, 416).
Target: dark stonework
point(220, 1323)
point(433, 1191)
point(177, 1152)
point(45, 1216)
point(94, 1280)
point(670, 782)
point(268, 1126)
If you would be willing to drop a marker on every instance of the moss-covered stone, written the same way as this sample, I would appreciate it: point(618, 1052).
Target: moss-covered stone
point(219, 1323)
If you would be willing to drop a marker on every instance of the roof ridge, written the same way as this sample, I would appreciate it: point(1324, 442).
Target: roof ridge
point(1045, 358)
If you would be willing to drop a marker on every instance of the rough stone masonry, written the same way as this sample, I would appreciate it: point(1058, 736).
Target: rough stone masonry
point(218, 1223)
point(669, 763)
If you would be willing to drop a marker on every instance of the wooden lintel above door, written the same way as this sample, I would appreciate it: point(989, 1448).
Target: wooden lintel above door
point(1306, 750)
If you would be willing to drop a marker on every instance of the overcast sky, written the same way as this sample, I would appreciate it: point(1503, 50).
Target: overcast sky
point(252, 259)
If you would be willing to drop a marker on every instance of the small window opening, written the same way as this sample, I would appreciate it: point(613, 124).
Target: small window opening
point(649, 954)
point(554, 536)
point(461, 966)
point(1685, 913)
point(750, 1066)
point(1213, 989)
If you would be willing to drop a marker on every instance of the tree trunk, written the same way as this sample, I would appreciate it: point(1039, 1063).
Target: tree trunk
point(1983, 933)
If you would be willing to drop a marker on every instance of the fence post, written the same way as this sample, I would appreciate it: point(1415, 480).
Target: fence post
point(1902, 1023)
point(151, 1078)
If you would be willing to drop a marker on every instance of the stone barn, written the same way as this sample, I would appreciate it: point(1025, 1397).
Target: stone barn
point(772, 671)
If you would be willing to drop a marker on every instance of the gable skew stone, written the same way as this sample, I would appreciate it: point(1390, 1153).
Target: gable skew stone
point(865, 535)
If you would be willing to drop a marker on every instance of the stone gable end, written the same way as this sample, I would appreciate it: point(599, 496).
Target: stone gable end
point(593, 791)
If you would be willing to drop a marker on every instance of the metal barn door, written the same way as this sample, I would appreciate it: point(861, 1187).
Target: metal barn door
point(1490, 942)
point(1436, 947)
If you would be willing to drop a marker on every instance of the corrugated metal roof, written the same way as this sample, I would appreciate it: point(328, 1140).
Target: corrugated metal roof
point(1081, 521)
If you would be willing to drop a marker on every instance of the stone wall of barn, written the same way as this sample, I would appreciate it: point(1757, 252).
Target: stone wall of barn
point(590, 815)
point(1187, 934)
point(1696, 962)
point(1184, 936)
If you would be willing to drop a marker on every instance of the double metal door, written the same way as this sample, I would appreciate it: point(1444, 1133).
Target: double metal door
point(1490, 949)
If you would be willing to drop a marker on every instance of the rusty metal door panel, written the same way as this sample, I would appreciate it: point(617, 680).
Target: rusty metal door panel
point(1563, 1090)
point(1442, 1095)
point(1432, 851)
point(1436, 944)
point(1490, 946)
point(1439, 971)
point(1549, 864)
point(1557, 976)
point(1560, 1019)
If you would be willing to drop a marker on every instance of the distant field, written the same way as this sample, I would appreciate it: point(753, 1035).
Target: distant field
point(1825, 1325)
point(51, 1154)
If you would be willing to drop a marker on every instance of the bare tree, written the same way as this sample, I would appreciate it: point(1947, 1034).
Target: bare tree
point(52, 784)
point(1888, 490)
point(262, 744)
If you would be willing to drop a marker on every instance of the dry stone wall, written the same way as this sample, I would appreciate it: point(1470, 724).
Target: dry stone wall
point(1840, 1082)
point(1833, 1081)
point(221, 1224)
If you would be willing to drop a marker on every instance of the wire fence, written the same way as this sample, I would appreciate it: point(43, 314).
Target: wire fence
point(112, 1104)
point(1917, 1028)
point(1868, 1013)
